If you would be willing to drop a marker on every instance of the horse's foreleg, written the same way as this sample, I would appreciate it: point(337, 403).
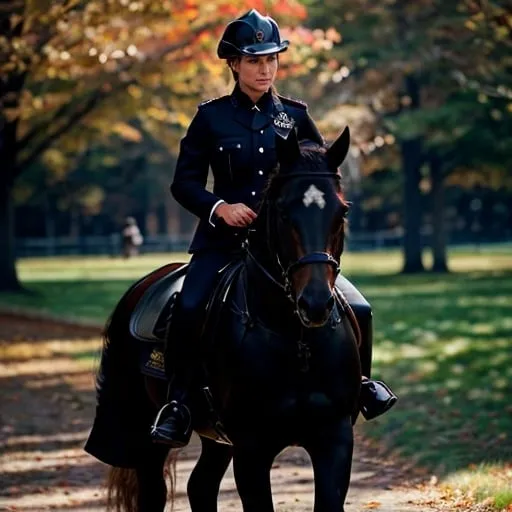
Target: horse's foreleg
point(252, 467)
point(204, 482)
point(331, 457)
point(152, 491)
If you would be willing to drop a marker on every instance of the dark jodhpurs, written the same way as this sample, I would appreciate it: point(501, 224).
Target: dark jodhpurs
point(182, 354)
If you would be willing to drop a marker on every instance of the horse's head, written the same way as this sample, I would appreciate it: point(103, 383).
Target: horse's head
point(305, 215)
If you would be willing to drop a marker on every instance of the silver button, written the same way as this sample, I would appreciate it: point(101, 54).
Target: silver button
point(221, 148)
point(253, 193)
point(261, 150)
point(260, 173)
point(261, 131)
point(239, 146)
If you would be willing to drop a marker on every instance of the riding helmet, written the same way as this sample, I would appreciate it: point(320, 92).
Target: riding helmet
point(251, 34)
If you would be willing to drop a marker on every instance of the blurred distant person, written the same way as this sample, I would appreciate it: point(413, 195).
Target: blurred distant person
point(235, 135)
point(132, 238)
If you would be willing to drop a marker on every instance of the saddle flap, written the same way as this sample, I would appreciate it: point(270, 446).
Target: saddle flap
point(152, 308)
point(219, 296)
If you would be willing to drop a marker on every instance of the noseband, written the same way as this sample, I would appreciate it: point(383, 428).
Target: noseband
point(308, 259)
point(311, 258)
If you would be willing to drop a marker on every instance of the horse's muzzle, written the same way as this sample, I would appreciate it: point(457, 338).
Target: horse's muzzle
point(314, 312)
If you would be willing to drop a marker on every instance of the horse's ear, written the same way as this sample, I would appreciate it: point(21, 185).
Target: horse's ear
point(338, 150)
point(288, 150)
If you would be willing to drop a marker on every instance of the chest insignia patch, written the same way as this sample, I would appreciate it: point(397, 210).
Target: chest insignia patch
point(283, 121)
point(283, 124)
point(314, 196)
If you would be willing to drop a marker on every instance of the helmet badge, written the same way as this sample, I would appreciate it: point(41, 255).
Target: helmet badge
point(259, 35)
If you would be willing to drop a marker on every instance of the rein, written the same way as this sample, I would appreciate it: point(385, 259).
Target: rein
point(267, 274)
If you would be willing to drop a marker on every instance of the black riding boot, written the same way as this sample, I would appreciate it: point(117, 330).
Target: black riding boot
point(173, 423)
point(376, 397)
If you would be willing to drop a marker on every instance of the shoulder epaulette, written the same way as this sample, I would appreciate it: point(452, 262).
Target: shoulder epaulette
point(293, 101)
point(211, 100)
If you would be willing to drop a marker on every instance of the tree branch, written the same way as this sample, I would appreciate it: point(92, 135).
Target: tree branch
point(34, 132)
point(45, 34)
point(96, 97)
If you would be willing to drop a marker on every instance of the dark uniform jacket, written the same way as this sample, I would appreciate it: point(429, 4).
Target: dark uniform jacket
point(236, 138)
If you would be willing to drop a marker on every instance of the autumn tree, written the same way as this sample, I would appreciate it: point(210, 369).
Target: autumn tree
point(68, 64)
point(422, 68)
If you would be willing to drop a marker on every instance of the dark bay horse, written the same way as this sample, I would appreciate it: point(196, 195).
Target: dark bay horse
point(282, 365)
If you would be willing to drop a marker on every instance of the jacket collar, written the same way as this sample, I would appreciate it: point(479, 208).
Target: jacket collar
point(240, 99)
point(252, 115)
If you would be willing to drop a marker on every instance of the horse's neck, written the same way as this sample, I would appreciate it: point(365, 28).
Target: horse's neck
point(265, 298)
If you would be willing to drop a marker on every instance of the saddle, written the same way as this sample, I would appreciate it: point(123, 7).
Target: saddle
point(153, 312)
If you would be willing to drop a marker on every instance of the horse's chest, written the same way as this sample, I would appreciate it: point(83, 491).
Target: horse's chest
point(265, 362)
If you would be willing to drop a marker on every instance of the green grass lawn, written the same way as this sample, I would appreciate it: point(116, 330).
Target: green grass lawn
point(443, 342)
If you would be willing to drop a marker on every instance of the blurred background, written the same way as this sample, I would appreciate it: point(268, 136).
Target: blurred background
point(96, 95)
point(94, 99)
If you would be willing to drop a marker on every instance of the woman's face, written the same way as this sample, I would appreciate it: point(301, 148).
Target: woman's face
point(256, 74)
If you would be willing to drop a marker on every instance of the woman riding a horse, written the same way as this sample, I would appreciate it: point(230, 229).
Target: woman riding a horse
point(285, 354)
point(235, 135)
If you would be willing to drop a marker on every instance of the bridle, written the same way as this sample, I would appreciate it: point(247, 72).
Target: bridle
point(312, 258)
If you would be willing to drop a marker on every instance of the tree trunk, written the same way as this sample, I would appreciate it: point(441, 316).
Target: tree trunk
point(411, 161)
point(8, 277)
point(11, 86)
point(74, 221)
point(438, 216)
point(412, 157)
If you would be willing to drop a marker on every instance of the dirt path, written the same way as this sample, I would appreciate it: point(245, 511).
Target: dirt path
point(46, 409)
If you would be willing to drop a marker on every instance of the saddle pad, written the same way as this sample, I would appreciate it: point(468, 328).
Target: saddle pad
point(148, 311)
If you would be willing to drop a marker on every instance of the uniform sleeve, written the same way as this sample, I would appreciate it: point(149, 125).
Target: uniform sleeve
point(307, 130)
point(191, 174)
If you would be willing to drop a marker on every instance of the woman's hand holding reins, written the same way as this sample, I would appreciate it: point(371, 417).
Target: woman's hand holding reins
point(237, 215)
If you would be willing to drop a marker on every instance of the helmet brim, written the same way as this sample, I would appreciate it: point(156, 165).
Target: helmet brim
point(264, 48)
